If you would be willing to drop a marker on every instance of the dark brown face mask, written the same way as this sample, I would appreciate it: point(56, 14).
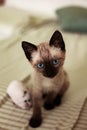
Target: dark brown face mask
point(50, 71)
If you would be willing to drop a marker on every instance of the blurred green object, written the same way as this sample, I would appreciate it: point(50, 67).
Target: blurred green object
point(73, 18)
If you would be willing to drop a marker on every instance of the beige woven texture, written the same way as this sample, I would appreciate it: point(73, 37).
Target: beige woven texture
point(72, 113)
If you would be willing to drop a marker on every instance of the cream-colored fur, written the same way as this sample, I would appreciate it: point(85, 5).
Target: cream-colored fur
point(43, 84)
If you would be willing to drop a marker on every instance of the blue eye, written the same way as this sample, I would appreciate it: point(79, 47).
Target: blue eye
point(40, 65)
point(55, 62)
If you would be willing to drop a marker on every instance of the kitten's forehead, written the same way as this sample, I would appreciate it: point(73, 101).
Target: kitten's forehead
point(57, 52)
point(46, 52)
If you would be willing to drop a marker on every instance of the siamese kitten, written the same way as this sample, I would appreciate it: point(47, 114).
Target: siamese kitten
point(48, 76)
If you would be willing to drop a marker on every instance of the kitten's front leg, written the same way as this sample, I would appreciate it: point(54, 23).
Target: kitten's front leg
point(49, 103)
point(59, 96)
point(36, 118)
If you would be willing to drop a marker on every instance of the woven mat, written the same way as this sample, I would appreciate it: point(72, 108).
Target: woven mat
point(81, 123)
point(60, 118)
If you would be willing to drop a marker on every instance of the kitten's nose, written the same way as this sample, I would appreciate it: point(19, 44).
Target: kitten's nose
point(50, 74)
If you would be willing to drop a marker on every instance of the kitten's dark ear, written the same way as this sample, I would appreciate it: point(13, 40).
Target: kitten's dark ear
point(28, 49)
point(57, 40)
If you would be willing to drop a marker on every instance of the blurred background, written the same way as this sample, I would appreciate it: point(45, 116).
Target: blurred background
point(45, 7)
point(52, 10)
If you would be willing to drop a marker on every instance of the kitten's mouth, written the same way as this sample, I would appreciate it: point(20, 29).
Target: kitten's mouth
point(51, 75)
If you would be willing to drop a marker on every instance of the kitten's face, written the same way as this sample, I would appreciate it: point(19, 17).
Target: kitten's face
point(47, 58)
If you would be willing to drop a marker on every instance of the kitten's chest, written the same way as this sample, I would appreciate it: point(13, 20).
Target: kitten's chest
point(47, 84)
point(50, 85)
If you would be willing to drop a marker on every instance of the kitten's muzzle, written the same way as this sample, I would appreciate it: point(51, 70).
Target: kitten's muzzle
point(50, 74)
point(50, 70)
